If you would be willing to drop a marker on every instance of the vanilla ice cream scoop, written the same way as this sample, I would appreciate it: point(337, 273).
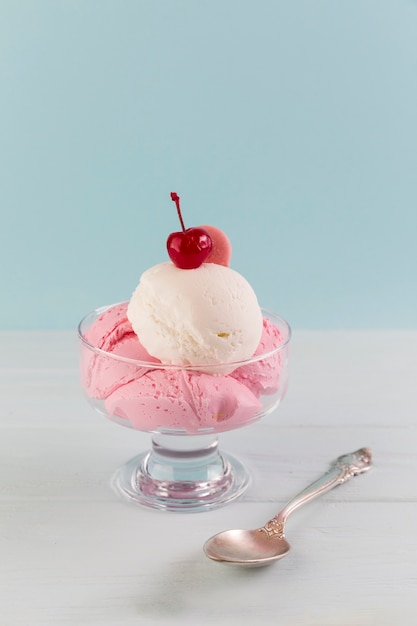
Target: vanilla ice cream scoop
point(203, 316)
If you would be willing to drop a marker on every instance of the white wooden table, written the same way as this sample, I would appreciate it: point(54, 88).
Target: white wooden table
point(72, 552)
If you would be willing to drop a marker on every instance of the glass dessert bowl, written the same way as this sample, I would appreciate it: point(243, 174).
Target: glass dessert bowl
point(183, 408)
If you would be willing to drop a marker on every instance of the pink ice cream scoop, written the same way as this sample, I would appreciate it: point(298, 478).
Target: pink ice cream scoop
point(183, 399)
point(263, 376)
point(113, 334)
point(151, 398)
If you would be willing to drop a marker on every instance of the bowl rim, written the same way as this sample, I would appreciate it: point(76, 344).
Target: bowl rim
point(195, 367)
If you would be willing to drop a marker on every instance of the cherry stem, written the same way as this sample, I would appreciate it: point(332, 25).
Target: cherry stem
point(175, 197)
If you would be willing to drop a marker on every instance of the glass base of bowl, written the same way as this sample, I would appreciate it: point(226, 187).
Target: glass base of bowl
point(182, 473)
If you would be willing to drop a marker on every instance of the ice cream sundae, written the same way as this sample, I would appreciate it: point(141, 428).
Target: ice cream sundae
point(191, 352)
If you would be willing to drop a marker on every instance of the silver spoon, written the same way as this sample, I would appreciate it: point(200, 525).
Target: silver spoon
point(255, 548)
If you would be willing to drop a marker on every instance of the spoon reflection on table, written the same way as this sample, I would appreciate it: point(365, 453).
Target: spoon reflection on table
point(255, 548)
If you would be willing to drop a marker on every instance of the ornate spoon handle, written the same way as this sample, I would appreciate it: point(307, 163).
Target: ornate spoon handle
point(344, 468)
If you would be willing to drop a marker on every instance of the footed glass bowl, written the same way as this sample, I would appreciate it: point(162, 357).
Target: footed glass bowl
point(183, 408)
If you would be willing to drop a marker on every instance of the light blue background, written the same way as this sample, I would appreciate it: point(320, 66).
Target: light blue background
point(291, 125)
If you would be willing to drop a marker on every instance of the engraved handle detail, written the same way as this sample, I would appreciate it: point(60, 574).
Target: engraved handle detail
point(344, 468)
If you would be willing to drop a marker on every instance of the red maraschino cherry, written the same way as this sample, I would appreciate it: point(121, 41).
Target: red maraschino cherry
point(190, 247)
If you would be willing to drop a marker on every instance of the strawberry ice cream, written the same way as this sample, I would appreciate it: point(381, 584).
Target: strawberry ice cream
point(263, 376)
point(149, 396)
point(182, 399)
point(113, 335)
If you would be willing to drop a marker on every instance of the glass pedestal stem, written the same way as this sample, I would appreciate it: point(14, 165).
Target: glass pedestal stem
point(186, 473)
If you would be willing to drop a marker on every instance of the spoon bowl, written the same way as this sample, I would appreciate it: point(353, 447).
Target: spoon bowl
point(256, 548)
point(251, 548)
